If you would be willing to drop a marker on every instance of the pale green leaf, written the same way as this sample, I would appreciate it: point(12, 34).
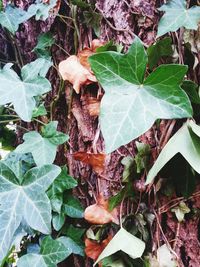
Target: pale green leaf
point(126, 242)
point(177, 15)
point(21, 93)
point(58, 221)
point(42, 148)
point(165, 257)
point(186, 142)
point(131, 104)
point(52, 252)
point(41, 10)
point(24, 201)
point(36, 68)
point(12, 17)
point(180, 211)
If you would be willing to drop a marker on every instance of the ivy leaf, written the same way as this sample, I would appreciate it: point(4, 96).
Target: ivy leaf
point(51, 253)
point(126, 242)
point(39, 111)
point(72, 207)
point(186, 142)
point(58, 221)
point(177, 16)
point(45, 41)
point(21, 93)
point(72, 245)
point(161, 48)
point(131, 104)
point(191, 88)
point(12, 17)
point(63, 182)
point(42, 148)
point(41, 10)
point(180, 211)
point(24, 201)
point(36, 68)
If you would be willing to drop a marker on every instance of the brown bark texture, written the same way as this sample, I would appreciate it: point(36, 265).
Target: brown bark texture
point(121, 20)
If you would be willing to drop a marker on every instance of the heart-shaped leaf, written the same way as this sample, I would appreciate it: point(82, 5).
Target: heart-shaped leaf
point(43, 148)
point(24, 201)
point(21, 93)
point(186, 142)
point(131, 104)
point(177, 16)
point(51, 253)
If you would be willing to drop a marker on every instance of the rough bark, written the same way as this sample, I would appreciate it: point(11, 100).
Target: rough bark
point(121, 20)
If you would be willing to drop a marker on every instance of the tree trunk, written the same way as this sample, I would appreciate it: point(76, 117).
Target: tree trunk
point(121, 20)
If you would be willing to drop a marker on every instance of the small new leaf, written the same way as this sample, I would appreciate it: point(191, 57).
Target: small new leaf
point(21, 93)
point(51, 253)
point(180, 211)
point(24, 201)
point(186, 142)
point(131, 104)
point(43, 148)
point(176, 16)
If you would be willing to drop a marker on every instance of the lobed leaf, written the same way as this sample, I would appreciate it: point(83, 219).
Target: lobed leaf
point(131, 104)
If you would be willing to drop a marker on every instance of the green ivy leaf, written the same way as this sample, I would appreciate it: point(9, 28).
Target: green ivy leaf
point(12, 17)
point(42, 148)
point(36, 68)
point(45, 41)
point(58, 221)
point(63, 182)
point(41, 10)
point(72, 207)
point(131, 104)
point(51, 253)
point(177, 16)
point(39, 111)
point(186, 142)
point(191, 88)
point(125, 242)
point(21, 93)
point(162, 48)
point(72, 245)
point(26, 200)
point(19, 163)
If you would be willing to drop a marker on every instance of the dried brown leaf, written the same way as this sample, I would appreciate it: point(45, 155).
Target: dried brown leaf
point(99, 214)
point(71, 70)
point(96, 161)
point(93, 249)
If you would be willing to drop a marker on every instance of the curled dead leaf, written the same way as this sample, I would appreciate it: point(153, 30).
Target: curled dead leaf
point(99, 213)
point(96, 161)
point(71, 70)
point(76, 69)
point(93, 248)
